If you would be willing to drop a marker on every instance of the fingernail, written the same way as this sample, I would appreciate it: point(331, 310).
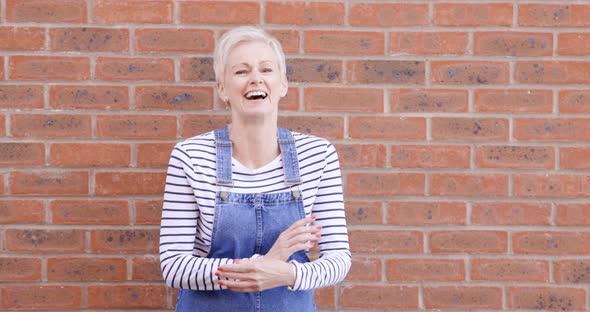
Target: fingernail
point(319, 227)
point(228, 287)
point(216, 273)
point(220, 283)
point(237, 261)
point(318, 235)
point(219, 269)
point(312, 243)
point(313, 217)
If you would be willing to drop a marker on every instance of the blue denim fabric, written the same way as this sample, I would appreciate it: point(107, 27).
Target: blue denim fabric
point(248, 224)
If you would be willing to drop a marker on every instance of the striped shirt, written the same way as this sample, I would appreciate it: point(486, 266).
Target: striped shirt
point(189, 210)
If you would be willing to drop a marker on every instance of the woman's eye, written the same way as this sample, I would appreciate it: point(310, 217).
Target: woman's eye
point(267, 70)
point(240, 72)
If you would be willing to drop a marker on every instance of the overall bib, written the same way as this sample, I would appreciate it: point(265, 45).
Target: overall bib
point(248, 224)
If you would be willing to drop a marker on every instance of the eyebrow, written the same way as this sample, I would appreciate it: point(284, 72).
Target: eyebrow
point(246, 64)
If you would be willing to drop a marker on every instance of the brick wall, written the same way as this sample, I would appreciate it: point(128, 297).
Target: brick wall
point(463, 130)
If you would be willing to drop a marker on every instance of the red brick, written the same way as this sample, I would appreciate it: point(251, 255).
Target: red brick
point(35, 297)
point(385, 72)
point(174, 40)
point(343, 100)
point(552, 129)
point(388, 14)
point(219, 12)
point(86, 269)
point(344, 43)
point(553, 15)
point(513, 101)
point(577, 44)
point(147, 269)
point(501, 213)
point(472, 14)
point(551, 243)
point(364, 212)
point(134, 69)
point(50, 126)
point(148, 211)
point(572, 271)
point(398, 242)
point(45, 241)
point(515, 157)
point(43, 182)
point(574, 101)
point(470, 72)
point(510, 270)
point(552, 72)
point(49, 68)
point(304, 13)
point(2, 68)
point(425, 213)
point(291, 101)
point(21, 211)
point(46, 11)
point(420, 270)
point(14, 269)
point(365, 269)
point(22, 154)
point(468, 241)
point(89, 97)
point(563, 186)
point(428, 43)
point(314, 70)
point(136, 127)
point(470, 129)
point(361, 155)
point(469, 185)
point(288, 38)
point(89, 39)
point(574, 158)
point(385, 127)
point(197, 124)
point(125, 241)
point(132, 11)
point(325, 298)
point(90, 212)
point(153, 154)
point(463, 298)
point(2, 124)
point(430, 156)
point(21, 96)
point(22, 38)
point(379, 297)
point(573, 215)
point(428, 100)
point(2, 187)
point(173, 98)
point(127, 296)
point(130, 183)
point(330, 127)
point(546, 298)
point(513, 44)
point(90, 155)
point(384, 184)
point(197, 69)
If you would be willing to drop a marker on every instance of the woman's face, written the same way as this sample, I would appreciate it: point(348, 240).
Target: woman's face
point(253, 83)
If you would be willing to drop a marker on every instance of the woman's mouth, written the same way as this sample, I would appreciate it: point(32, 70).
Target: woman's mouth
point(256, 95)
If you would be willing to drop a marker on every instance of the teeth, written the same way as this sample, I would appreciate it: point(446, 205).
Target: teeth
point(255, 94)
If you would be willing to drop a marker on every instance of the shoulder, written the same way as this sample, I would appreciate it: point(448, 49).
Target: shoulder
point(205, 140)
point(308, 143)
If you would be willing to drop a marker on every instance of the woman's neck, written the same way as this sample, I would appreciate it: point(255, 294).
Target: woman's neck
point(254, 144)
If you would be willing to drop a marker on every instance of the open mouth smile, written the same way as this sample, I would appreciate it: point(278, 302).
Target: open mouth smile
point(256, 95)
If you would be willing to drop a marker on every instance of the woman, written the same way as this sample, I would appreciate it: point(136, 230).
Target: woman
point(245, 202)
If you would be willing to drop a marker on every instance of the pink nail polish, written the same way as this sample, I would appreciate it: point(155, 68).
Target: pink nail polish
point(219, 269)
point(216, 273)
point(318, 235)
point(220, 283)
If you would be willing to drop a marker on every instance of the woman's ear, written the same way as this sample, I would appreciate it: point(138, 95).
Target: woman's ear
point(284, 87)
point(221, 91)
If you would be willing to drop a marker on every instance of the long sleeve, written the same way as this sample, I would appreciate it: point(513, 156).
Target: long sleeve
point(335, 258)
point(181, 267)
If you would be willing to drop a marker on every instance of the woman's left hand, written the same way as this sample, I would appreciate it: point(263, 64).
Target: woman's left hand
point(256, 275)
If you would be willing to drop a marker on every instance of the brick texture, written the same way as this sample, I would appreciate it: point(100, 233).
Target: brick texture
point(462, 130)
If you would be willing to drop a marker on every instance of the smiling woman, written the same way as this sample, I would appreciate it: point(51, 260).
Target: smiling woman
point(244, 203)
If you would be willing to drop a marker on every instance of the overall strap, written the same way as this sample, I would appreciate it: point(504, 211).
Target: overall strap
point(289, 154)
point(224, 154)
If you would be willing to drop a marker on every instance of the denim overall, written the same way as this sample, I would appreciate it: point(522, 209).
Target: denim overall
point(248, 224)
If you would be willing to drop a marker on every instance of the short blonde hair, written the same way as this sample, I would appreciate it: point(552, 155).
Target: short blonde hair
point(245, 34)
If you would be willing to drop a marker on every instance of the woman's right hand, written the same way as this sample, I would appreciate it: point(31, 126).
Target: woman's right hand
point(296, 237)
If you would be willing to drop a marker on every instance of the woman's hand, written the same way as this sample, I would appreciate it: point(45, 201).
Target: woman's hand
point(256, 275)
point(296, 237)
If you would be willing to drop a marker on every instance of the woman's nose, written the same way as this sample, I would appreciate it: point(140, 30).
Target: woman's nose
point(255, 77)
